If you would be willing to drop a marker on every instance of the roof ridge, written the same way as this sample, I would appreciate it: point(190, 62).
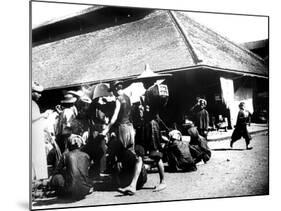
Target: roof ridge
point(187, 42)
point(203, 27)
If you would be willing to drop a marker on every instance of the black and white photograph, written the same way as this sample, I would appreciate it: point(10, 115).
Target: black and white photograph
point(137, 105)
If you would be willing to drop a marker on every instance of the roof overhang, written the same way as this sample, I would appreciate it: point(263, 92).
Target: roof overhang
point(192, 68)
point(207, 67)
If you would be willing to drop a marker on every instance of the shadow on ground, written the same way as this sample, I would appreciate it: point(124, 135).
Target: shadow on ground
point(228, 149)
point(50, 201)
point(104, 186)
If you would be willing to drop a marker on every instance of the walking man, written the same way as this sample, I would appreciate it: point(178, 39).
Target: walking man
point(241, 127)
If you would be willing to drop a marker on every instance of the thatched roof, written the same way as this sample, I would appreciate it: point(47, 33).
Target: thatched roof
point(217, 51)
point(162, 39)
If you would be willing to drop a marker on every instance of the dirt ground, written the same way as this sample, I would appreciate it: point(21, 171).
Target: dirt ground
point(230, 172)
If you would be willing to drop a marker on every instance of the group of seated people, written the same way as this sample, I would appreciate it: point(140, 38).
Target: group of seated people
point(95, 135)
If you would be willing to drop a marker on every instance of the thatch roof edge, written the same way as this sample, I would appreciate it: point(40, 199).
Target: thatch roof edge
point(229, 41)
point(208, 67)
point(240, 72)
point(190, 68)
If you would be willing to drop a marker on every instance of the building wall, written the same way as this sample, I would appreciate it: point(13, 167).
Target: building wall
point(185, 87)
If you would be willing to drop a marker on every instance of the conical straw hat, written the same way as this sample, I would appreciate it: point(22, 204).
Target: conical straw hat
point(148, 74)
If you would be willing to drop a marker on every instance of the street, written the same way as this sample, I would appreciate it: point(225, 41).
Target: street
point(230, 172)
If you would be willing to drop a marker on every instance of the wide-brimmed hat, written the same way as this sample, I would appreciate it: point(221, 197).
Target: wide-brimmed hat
point(77, 94)
point(80, 95)
point(85, 99)
point(101, 90)
point(69, 98)
point(36, 87)
point(149, 75)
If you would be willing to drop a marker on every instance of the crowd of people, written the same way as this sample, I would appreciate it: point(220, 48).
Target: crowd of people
point(104, 133)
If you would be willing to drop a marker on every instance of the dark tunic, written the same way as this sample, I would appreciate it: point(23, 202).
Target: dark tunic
point(241, 127)
point(152, 134)
point(71, 176)
point(179, 156)
point(201, 120)
point(146, 122)
point(198, 146)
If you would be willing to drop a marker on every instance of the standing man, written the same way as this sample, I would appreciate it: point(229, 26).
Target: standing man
point(39, 157)
point(152, 135)
point(123, 145)
point(201, 117)
point(154, 98)
point(99, 113)
point(241, 127)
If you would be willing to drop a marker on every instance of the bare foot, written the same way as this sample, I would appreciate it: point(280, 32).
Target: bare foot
point(91, 190)
point(249, 147)
point(160, 187)
point(129, 190)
